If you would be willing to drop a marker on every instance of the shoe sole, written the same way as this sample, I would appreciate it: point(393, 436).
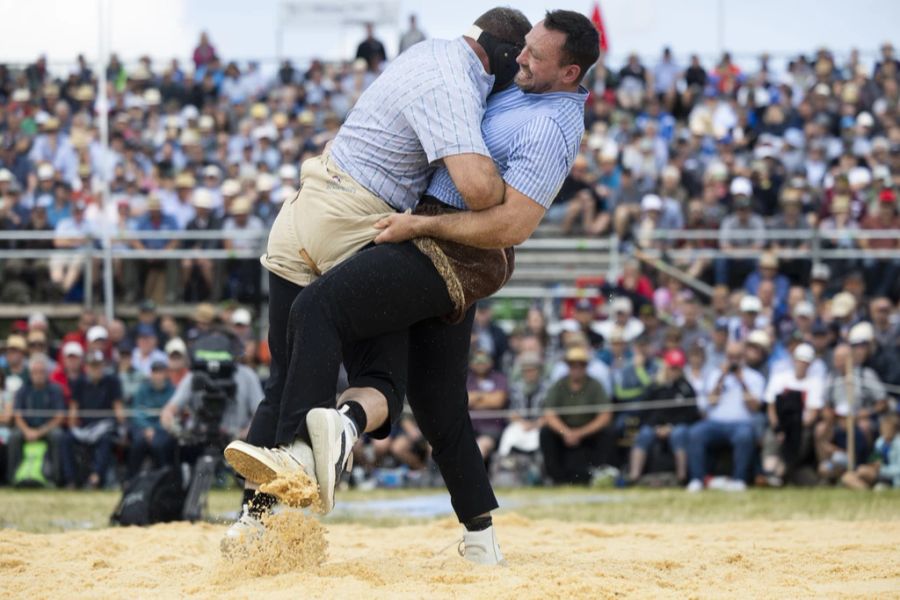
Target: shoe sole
point(252, 464)
point(322, 428)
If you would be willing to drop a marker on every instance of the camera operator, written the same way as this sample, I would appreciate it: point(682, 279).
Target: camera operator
point(215, 401)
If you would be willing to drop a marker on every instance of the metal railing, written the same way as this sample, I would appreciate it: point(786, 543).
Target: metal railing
point(609, 246)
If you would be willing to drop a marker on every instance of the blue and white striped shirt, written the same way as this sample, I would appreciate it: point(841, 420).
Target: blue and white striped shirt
point(533, 138)
point(428, 104)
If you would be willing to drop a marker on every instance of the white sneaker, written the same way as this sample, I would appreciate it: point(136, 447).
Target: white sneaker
point(481, 548)
point(696, 485)
point(262, 465)
point(734, 485)
point(718, 483)
point(245, 528)
point(332, 435)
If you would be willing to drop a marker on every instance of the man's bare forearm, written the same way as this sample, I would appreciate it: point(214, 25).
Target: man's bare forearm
point(482, 229)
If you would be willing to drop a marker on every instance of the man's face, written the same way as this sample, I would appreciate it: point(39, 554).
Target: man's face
point(14, 356)
point(540, 62)
point(860, 353)
point(158, 378)
point(531, 374)
point(881, 311)
point(38, 372)
point(176, 362)
point(577, 371)
point(800, 368)
point(146, 343)
point(73, 363)
point(95, 370)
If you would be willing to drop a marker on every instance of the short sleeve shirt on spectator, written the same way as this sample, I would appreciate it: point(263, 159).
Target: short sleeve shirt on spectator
point(96, 396)
point(50, 397)
point(561, 396)
point(427, 104)
point(731, 407)
point(786, 381)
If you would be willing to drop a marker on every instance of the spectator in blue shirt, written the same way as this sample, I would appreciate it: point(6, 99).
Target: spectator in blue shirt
point(733, 396)
point(160, 278)
point(148, 438)
point(768, 271)
point(38, 394)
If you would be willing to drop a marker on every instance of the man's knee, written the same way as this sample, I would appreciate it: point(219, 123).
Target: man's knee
point(743, 436)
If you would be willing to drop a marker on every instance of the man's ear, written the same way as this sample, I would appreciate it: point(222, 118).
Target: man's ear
point(571, 74)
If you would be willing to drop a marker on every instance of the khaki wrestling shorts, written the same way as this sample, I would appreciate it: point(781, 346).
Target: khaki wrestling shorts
point(330, 219)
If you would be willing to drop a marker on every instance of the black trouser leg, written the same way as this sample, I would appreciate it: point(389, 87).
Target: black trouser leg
point(264, 426)
point(381, 290)
point(600, 447)
point(555, 456)
point(438, 364)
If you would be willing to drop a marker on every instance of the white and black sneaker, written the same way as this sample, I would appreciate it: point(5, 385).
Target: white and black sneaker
point(332, 435)
point(247, 527)
point(261, 465)
point(481, 548)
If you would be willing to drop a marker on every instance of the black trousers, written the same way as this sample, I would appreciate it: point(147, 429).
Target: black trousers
point(264, 426)
point(566, 464)
point(381, 310)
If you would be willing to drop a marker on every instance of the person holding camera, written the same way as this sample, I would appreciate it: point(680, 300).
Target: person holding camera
point(219, 390)
point(733, 396)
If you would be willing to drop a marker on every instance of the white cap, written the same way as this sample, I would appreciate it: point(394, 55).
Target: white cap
point(751, 304)
point(859, 176)
point(760, 338)
point(202, 198)
point(741, 186)
point(240, 316)
point(284, 194)
point(36, 318)
point(287, 172)
point(804, 308)
point(842, 305)
point(72, 349)
point(865, 119)
point(264, 183)
point(5, 175)
point(570, 325)
point(821, 271)
point(651, 202)
point(621, 304)
point(211, 171)
point(861, 333)
point(45, 171)
point(794, 137)
point(805, 353)
point(231, 187)
point(189, 113)
point(97, 332)
point(176, 345)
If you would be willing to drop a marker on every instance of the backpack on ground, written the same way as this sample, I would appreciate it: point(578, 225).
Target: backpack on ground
point(150, 497)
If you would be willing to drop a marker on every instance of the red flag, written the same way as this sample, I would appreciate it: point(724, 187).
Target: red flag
point(597, 20)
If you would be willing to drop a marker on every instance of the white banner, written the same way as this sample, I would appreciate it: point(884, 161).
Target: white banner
point(322, 13)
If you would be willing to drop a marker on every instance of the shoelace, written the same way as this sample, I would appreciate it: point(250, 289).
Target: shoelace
point(461, 547)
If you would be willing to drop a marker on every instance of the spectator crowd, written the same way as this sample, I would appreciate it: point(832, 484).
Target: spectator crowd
point(740, 175)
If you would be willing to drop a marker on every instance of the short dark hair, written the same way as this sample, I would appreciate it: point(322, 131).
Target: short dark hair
point(506, 24)
point(582, 45)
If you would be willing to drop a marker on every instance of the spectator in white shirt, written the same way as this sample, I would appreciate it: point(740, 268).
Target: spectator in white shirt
point(794, 399)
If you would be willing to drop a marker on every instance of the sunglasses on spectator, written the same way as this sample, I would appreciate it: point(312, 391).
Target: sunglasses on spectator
point(734, 357)
point(577, 365)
